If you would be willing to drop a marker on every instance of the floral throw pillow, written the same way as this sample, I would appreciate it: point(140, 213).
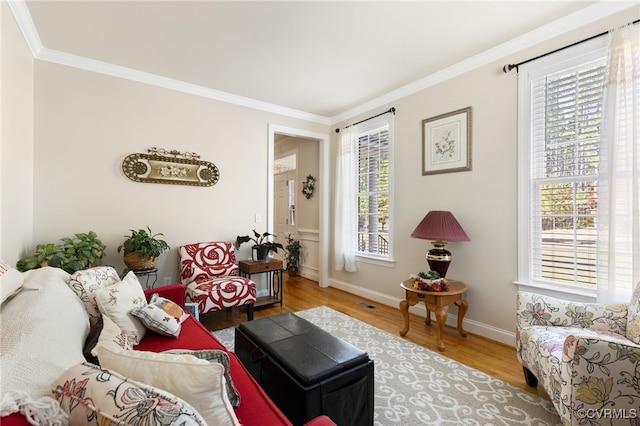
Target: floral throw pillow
point(112, 337)
point(199, 382)
point(118, 300)
point(93, 395)
point(86, 282)
point(633, 316)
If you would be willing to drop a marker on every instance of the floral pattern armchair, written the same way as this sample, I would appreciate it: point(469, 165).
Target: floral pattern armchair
point(582, 355)
point(209, 272)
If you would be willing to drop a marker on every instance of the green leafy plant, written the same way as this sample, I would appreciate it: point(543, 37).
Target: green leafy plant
point(260, 240)
point(84, 250)
point(292, 256)
point(145, 242)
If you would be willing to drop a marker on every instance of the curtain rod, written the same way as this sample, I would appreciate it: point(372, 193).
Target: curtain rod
point(390, 110)
point(507, 68)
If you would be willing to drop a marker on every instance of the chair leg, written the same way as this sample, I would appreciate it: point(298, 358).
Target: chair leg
point(530, 378)
point(250, 312)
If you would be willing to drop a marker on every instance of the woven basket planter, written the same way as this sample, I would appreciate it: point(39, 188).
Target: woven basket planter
point(137, 262)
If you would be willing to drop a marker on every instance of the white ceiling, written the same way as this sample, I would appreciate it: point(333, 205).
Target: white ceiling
point(322, 58)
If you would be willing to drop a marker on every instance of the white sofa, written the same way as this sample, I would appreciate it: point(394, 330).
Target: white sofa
point(44, 327)
point(586, 355)
point(45, 321)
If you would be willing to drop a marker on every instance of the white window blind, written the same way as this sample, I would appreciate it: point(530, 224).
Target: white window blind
point(560, 106)
point(374, 139)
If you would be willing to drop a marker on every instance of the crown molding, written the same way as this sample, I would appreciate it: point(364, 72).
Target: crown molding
point(595, 12)
point(26, 25)
point(93, 65)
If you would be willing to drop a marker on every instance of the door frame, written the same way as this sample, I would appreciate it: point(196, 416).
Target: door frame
point(322, 190)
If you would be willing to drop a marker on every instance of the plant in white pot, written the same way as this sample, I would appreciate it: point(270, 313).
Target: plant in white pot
point(142, 248)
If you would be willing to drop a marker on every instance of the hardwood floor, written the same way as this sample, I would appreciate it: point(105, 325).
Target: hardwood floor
point(493, 358)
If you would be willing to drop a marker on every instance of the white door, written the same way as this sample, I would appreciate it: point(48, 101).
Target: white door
point(284, 185)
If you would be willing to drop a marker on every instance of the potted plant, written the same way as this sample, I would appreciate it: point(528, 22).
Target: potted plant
point(142, 248)
point(292, 256)
point(430, 281)
point(83, 251)
point(263, 246)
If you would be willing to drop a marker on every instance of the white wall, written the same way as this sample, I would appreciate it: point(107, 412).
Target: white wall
point(16, 139)
point(87, 123)
point(483, 200)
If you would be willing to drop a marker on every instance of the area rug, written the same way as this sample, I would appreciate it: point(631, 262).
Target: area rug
point(416, 386)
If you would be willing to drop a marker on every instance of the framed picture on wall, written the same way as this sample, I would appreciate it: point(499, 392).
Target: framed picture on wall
point(446, 142)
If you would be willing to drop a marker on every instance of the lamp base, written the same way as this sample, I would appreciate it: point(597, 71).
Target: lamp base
point(439, 258)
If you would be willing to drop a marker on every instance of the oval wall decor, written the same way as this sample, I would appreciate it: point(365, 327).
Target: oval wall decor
point(172, 167)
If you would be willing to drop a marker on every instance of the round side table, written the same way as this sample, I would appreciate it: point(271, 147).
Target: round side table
point(437, 302)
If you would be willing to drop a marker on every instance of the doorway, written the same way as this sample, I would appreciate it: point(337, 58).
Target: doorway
point(314, 238)
point(285, 178)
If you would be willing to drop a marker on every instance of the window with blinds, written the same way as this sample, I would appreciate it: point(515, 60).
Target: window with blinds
point(561, 156)
point(373, 156)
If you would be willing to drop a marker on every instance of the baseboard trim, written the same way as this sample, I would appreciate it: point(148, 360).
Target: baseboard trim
point(485, 330)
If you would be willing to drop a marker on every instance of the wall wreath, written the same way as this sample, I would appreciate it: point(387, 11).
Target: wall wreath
point(308, 186)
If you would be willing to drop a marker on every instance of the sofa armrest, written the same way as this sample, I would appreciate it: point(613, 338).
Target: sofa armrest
point(534, 309)
point(320, 421)
point(600, 371)
point(173, 292)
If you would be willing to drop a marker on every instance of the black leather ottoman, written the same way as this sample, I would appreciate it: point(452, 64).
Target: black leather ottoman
point(307, 371)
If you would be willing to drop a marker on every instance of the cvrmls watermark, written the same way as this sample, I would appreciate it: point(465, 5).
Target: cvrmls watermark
point(607, 413)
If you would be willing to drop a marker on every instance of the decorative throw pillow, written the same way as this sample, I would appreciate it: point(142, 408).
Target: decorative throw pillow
point(197, 381)
point(162, 316)
point(112, 337)
point(221, 357)
point(86, 282)
point(633, 316)
point(118, 300)
point(11, 281)
point(94, 395)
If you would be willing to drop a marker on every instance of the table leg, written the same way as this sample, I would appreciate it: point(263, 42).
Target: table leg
point(427, 319)
point(404, 308)
point(462, 310)
point(441, 318)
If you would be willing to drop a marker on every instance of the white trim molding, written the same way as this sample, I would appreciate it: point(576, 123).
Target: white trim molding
point(597, 11)
point(485, 330)
point(322, 192)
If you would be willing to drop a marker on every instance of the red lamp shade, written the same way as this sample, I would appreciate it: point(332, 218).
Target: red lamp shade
point(440, 227)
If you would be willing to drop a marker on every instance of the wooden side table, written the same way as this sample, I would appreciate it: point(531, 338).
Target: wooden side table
point(273, 268)
point(437, 302)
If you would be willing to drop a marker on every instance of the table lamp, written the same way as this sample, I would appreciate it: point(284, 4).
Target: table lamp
point(440, 227)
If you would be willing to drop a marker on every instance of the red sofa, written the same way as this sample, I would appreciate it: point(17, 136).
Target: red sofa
point(256, 408)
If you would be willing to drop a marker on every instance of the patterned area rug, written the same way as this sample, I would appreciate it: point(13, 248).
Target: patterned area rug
point(416, 386)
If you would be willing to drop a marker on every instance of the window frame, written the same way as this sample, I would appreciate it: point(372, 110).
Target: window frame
point(574, 56)
point(356, 132)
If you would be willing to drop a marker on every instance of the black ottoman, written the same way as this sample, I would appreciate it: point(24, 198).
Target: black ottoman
point(306, 371)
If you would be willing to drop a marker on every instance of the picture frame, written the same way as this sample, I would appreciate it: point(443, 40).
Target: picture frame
point(446, 142)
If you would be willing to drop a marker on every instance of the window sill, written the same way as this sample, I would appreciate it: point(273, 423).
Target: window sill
point(570, 293)
point(376, 260)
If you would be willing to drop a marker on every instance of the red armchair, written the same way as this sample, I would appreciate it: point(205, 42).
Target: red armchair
point(209, 272)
